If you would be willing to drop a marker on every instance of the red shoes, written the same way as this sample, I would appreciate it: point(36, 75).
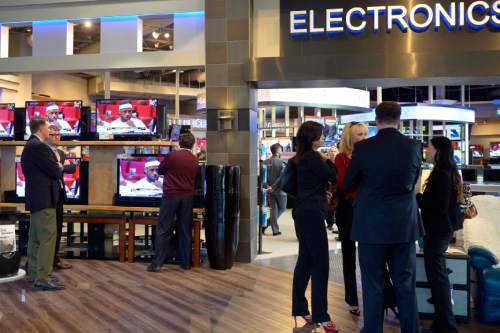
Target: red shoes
point(329, 327)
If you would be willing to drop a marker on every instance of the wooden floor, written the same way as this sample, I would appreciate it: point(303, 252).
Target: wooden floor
point(106, 296)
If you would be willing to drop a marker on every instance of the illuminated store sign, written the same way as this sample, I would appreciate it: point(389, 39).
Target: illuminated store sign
point(418, 18)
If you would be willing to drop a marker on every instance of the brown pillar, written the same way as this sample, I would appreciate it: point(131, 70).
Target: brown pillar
point(227, 38)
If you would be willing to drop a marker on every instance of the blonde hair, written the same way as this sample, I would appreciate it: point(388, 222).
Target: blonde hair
point(346, 146)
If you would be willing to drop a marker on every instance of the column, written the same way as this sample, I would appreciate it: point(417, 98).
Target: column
point(177, 95)
point(107, 85)
point(287, 120)
point(227, 39)
point(379, 95)
point(4, 41)
point(52, 38)
point(121, 35)
point(301, 115)
point(430, 90)
point(273, 121)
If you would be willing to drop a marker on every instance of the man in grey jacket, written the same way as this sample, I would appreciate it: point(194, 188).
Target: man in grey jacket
point(277, 198)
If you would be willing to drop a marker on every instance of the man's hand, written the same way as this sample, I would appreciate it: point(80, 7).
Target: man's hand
point(269, 189)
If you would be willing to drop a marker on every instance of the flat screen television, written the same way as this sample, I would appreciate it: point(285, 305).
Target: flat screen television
point(7, 121)
point(494, 149)
point(126, 117)
point(75, 184)
point(67, 115)
point(476, 150)
point(138, 181)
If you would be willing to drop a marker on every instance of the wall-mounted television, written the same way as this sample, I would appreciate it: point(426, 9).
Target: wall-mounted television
point(138, 181)
point(494, 149)
point(126, 117)
point(75, 184)
point(67, 115)
point(7, 120)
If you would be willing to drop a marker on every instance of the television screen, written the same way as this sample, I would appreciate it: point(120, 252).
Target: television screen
point(372, 131)
point(7, 120)
point(64, 114)
point(454, 132)
point(494, 149)
point(71, 181)
point(477, 150)
point(175, 132)
point(138, 177)
point(126, 116)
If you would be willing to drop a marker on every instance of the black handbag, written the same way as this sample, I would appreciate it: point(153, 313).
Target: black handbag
point(9, 263)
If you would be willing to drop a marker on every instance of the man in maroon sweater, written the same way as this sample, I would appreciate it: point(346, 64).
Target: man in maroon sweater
point(179, 169)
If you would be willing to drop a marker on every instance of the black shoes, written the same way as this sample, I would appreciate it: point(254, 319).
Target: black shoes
point(277, 233)
point(153, 268)
point(48, 286)
point(264, 230)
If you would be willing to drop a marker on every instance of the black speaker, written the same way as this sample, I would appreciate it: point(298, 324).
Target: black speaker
point(215, 217)
point(161, 122)
point(491, 175)
point(19, 123)
point(469, 175)
point(9, 263)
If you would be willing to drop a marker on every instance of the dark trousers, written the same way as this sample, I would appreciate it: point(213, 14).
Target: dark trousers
point(437, 275)
point(277, 203)
point(344, 224)
point(312, 264)
point(180, 208)
point(400, 258)
point(59, 225)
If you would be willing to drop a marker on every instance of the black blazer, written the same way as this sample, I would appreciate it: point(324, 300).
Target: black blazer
point(42, 173)
point(438, 203)
point(313, 176)
point(383, 173)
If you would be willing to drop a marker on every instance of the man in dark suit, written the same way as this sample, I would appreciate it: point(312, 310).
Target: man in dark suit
point(42, 172)
point(54, 141)
point(383, 172)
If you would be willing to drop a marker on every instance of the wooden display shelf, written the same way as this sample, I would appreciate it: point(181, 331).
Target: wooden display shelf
point(100, 143)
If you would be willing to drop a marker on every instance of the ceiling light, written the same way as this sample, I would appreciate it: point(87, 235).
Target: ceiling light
point(155, 34)
point(28, 30)
point(167, 35)
point(170, 47)
point(157, 45)
point(87, 24)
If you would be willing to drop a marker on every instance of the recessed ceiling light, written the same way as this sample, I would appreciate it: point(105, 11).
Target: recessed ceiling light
point(167, 35)
point(87, 24)
point(157, 45)
point(155, 34)
point(171, 47)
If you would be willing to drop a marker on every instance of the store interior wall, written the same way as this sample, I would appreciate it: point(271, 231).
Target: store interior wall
point(60, 87)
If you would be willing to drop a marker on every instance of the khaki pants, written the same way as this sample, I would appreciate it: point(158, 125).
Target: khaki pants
point(41, 244)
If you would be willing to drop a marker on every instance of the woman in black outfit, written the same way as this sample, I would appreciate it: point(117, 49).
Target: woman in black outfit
point(441, 217)
point(314, 172)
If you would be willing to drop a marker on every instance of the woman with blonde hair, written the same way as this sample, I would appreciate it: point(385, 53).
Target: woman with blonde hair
point(353, 133)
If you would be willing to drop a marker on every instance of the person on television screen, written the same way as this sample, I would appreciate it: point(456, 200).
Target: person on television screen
point(151, 183)
point(126, 123)
point(52, 114)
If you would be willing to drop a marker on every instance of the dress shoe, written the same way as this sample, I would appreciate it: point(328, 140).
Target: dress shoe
point(264, 230)
point(46, 286)
point(154, 268)
point(277, 233)
point(62, 265)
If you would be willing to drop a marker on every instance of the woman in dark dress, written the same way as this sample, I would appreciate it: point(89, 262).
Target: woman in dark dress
point(441, 217)
point(314, 173)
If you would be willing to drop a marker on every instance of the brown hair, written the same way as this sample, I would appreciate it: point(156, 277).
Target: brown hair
point(36, 123)
point(186, 140)
point(388, 112)
point(308, 132)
